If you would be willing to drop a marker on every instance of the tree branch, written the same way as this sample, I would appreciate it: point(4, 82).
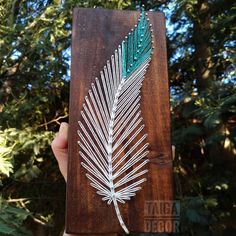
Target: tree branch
point(52, 121)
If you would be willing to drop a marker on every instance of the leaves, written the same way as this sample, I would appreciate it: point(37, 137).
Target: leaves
point(35, 39)
point(6, 166)
point(11, 220)
point(195, 213)
point(17, 143)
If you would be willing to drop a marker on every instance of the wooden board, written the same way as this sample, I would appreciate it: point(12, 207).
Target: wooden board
point(96, 34)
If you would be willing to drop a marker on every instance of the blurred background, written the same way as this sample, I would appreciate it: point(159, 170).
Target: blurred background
point(35, 41)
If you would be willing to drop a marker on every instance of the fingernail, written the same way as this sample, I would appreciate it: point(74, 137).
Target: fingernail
point(63, 127)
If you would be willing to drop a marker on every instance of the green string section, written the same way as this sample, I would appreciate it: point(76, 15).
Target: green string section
point(137, 46)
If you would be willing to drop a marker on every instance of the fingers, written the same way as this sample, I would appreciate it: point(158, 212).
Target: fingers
point(60, 148)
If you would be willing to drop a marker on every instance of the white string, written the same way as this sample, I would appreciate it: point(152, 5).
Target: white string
point(128, 142)
point(117, 132)
point(130, 163)
point(94, 123)
point(101, 126)
point(126, 117)
point(133, 87)
point(101, 106)
point(93, 127)
point(104, 104)
point(133, 124)
point(110, 124)
point(111, 78)
point(129, 105)
point(93, 170)
point(100, 144)
point(124, 105)
point(108, 83)
point(101, 163)
point(108, 98)
point(130, 151)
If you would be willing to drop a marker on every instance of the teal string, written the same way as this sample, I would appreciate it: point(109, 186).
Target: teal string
point(137, 47)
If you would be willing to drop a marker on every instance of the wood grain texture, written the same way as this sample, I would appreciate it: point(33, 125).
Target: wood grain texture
point(96, 34)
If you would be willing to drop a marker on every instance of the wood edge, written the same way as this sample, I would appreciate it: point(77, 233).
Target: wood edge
point(75, 14)
point(73, 36)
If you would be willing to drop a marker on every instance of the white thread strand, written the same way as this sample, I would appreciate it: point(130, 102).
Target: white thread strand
point(102, 165)
point(94, 123)
point(108, 83)
point(104, 126)
point(104, 104)
point(133, 109)
point(92, 126)
point(99, 142)
point(126, 133)
point(100, 104)
point(103, 130)
point(108, 99)
point(118, 129)
point(130, 151)
point(111, 123)
point(128, 142)
point(129, 105)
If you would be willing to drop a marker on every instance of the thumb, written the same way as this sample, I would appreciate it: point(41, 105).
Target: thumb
point(60, 148)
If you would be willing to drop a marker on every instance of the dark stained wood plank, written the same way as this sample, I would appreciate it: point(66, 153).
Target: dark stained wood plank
point(96, 34)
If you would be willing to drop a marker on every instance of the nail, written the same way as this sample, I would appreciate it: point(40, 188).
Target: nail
point(63, 128)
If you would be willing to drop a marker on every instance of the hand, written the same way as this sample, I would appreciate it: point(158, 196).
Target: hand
point(60, 149)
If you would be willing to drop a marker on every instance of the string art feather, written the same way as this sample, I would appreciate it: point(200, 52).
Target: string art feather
point(111, 133)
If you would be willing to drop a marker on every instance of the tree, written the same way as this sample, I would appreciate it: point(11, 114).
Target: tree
point(34, 90)
point(203, 89)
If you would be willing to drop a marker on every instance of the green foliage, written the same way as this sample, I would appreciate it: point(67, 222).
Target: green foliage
point(35, 38)
point(204, 136)
point(11, 219)
point(196, 215)
point(6, 166)
point(22, 148)
point(203, 100)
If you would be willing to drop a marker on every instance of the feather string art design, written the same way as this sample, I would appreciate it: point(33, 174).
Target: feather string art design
point(111, 121)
